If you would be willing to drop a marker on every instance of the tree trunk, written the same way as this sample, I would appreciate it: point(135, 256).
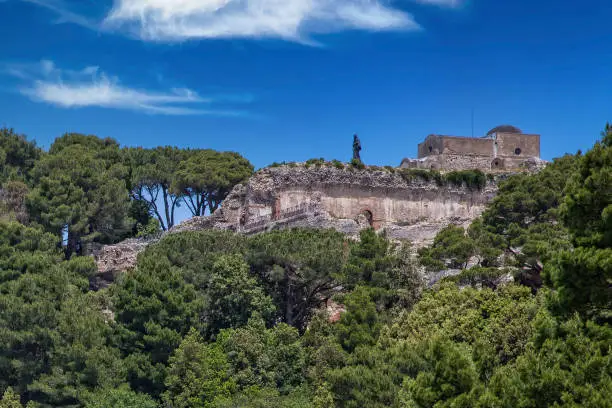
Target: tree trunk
point(288, 299)
point(168, 208)
point(73, 244)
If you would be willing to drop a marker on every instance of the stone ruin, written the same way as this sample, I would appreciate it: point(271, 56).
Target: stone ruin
point(349, 199)
point(504, 148)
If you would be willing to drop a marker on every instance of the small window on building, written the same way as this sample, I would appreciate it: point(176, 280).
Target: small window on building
point(430, 149)
point(518, 151)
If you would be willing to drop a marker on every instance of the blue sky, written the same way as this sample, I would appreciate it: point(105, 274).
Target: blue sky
point(294, 79)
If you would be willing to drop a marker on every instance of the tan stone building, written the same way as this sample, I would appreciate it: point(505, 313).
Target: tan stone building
point(503, 148)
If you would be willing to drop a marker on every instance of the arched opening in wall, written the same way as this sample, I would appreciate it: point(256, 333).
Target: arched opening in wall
point(369, 217)
point(518, 151)
point(430, 149)
point(497, 164)
point(365, 218)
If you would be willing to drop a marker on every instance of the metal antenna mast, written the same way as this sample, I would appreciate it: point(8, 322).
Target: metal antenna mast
point(472, 122)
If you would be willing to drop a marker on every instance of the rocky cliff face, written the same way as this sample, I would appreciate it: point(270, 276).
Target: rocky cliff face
point(349, 200)
point(408, 206)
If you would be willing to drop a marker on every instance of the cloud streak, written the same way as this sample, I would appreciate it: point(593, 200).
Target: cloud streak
point(91, 87)
point(65, 15)
point(442, 3)
point(178, 20)
point(290, 20)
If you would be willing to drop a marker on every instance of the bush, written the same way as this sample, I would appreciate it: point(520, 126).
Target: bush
point(428, 175)
point(472, 178)
point(338, 164)
point(315, 162)
point(478, 276)
point(148, 230)
point(358, 164)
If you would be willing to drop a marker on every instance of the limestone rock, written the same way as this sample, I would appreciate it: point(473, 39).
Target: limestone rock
point(345, 199)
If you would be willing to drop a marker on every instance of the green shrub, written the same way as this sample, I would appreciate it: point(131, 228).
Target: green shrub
point(150, 229)
point(358, 164)
point(338, 164)
point(472, 178)
point(315, 162)
point(428, 175)
point(478, 276)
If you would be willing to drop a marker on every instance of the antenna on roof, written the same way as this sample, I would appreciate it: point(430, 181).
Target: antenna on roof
point(472, 122)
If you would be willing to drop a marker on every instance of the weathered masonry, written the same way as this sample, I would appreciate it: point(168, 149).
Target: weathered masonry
point(346, 199)
point(349, 200)
point(504, 148)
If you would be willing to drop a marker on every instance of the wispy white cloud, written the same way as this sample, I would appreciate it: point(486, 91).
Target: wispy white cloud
point(177, 20)
point(65, 14)
point(442, 3)
point(91, 87)
point(292, 20)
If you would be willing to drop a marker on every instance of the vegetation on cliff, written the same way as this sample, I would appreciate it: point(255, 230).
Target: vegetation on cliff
point(473, 179)
point(215, 319)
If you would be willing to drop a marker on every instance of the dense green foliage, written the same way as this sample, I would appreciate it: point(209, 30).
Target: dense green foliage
point(17, 156)
point(163, 178)
point(206, 177)
point(88, 190)
point(79, 189)
point(55, 346)
point(152, 173)
point(214, 319)
point(583, 276)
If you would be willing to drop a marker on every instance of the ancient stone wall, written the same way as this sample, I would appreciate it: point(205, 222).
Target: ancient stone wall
point(432, 145)
point(460, 162)
point(468, 146)
point(499, 152)
point(508, 143)
point(437, 145)
point(349, 200)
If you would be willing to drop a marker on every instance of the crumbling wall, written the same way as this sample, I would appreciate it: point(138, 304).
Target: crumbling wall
point(432, 145)
point(347, 200)
point(350, 200)
point(511, 150)
point(450, 162)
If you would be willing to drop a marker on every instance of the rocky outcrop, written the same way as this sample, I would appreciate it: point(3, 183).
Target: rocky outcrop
point(334, 311)
point(112, 259)
point(347, 199)
point(405, 206)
